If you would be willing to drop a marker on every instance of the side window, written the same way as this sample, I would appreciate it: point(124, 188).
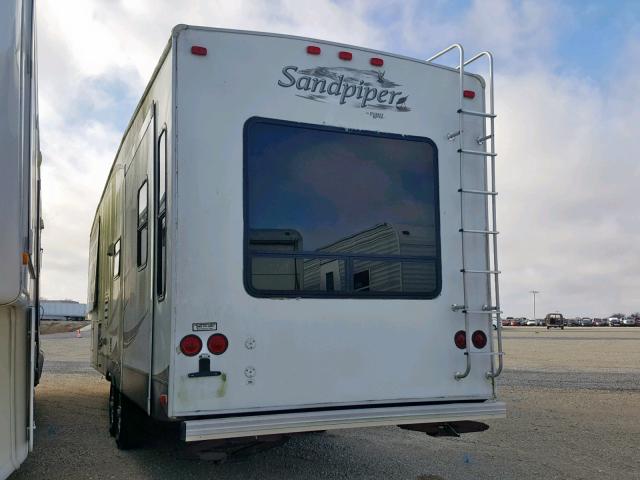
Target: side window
point(116, 259)
point(161, 228)
point(143, 225)
point(361, 281)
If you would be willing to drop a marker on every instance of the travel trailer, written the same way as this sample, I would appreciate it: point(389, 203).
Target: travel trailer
point(298, 235)
point(20, 362)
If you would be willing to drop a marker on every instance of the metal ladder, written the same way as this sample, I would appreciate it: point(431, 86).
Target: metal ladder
point(491, 232)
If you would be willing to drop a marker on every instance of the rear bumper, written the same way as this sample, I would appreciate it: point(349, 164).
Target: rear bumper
point(246, 426)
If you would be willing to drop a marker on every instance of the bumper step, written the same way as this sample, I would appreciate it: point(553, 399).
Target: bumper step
point(254, 425)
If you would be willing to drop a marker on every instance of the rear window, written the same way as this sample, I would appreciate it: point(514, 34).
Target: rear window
point(339, 213)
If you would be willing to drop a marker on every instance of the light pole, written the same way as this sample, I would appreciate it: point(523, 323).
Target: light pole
point(534, 292)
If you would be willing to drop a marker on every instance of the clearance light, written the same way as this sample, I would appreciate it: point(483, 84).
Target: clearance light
point(197, 50)
point(479, 339)
point(313, 50)
point(469, 94)
point(460, 339)
point(217, 344)
point(345, 55)
point(191, 345)
point(376, 62)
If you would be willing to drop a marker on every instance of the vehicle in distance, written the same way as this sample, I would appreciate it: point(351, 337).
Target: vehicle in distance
point(531, 323)
point(614, 322)
point(554, 320)
point(586, 322)
point(233, 281)
point(628, 322)
point(599, 322)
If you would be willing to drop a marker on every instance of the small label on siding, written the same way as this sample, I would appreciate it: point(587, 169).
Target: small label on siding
point(204, 327)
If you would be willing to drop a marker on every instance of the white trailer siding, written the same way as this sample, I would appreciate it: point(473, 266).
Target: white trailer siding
point(309, 352)
point(305, 348)
point(19, 231)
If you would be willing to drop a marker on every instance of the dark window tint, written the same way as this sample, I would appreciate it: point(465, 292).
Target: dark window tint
point(324, 205)
point(162, 169)
point(116, 258)
point(361, 281)
point(329, 282)
point(161, 226)
point(161, 270)
point(143, 225)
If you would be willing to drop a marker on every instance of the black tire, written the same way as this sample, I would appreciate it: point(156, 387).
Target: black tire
point(129, 423)
point(113, 404)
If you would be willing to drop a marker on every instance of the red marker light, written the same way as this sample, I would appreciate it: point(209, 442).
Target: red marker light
point(460, 339)
point(469, 94)
point(313, 50)
point(191, 345)
point(479, 339)
point(217, 344)
point(196, 50)
point(345, 55)
point(376, 62)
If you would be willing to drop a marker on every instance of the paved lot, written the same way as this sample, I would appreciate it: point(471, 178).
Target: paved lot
point(573, 412)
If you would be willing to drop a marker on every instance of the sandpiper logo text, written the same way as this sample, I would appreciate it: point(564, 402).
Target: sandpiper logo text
point(348, 86)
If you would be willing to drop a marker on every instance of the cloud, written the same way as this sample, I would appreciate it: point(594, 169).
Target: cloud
point(567, 167)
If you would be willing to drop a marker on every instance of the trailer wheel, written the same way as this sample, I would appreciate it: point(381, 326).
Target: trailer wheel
point(113, 404)
point(128, 423)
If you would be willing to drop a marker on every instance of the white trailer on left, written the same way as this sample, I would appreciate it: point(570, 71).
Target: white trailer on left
point(20, 362)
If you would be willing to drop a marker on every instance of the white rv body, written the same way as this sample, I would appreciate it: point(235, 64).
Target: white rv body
point(296, 361)
point(19, 232)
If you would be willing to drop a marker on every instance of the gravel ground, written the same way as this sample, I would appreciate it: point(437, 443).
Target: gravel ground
point(573, 400)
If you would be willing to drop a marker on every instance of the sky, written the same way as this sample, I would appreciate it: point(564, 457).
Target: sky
point(566, 134)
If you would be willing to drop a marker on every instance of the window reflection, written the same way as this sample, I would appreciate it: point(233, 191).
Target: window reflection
point(345, 212)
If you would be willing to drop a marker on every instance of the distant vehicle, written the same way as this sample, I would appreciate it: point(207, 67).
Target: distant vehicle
point(586, 322)
point(506, 322)
point(531, 323)
point(258, 125)
point(572, 322)
point(614, 322)
point(629, 322)
point(599, 322)
point(554, 320)
point(515, 323)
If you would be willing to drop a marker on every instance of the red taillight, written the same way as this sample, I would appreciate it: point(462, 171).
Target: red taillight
point(376, 62)
point(345, 55)
point(217, 344)
point(460, 339)
point(469, 94)
point(479, 339)
point(197, 50)
point(191, 345)
point(313, 50)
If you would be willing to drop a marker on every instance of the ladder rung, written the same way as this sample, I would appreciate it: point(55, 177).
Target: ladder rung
point(485, 232)
point(477, 192)
point(486, 353)
point(482, 312)
point(489, 272)
point(481, 140)
point(476, 113)
point(477, 152)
